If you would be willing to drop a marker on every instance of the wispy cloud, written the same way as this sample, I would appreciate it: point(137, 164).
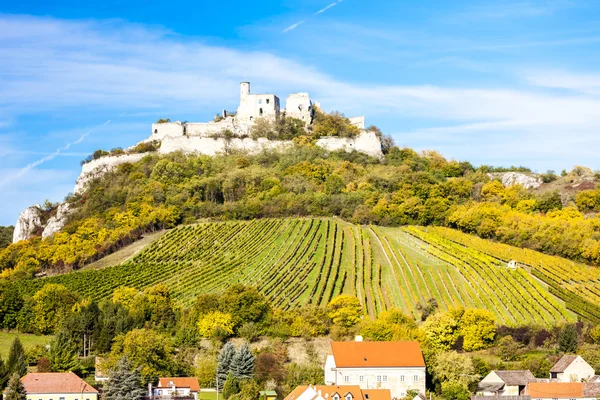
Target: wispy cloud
point(321, 11)
point(12, 177)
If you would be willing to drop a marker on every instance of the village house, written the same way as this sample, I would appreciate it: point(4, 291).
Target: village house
point(572, 368)
point(397, 366)
point(341, 392)
point(57, 386)
point(168, 388)
point(505, 383)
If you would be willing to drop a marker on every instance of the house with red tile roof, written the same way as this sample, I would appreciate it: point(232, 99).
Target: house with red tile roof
point(57, 386)
point(341, 392)
point(397, 366)
point(168, 388)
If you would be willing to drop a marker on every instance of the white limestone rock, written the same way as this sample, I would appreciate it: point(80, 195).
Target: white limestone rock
point(367, 142)
point(99, 167)
point(28, 222)
point(56, 222)
point(518, 178)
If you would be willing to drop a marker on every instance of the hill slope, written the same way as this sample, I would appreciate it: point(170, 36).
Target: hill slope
point(299, 261)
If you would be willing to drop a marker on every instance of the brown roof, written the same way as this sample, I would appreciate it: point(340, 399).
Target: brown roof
point(591, 390)
point(556, 390)
point(191, 383)
point(55, 383)
point(516, 378)
point(377, 354)
point(342, 391)
point(563, 363)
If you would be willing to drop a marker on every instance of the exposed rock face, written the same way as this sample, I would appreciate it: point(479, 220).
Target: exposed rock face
point(517, 178)
point(99, 167)
point(28, 222)
point(56, 222)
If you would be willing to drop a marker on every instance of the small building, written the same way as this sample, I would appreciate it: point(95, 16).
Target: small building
point(57, 386)
point(341, 392)
point(505, 383)
point(397, 366)
point(167, 388)
point(267, 395)
point(572, 368)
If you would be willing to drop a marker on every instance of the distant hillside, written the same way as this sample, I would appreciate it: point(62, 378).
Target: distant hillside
point(302, 261)
point(6, 235)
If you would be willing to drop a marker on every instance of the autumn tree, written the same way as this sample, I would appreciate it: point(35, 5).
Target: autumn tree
point(345, 310)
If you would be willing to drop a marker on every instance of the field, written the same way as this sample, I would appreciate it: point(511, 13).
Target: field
point(28, 341)
point(299, 261)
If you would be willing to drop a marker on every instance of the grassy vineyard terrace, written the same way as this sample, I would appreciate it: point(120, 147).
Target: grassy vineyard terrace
point(300, 261)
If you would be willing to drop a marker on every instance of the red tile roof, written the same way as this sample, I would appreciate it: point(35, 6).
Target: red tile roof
point(55, 383)
point(342, 390)
point(377, 354)
point(555, 390)
point(191, 383)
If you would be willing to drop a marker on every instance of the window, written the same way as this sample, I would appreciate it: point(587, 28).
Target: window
point(402, 394)
point(348, 396)
point(336, 397)
point(156, 131)
point(259, 101)
point(361, 378)
point(415, 378)
point(401, 378)
point(61, 398)
point(385, 378)
point(268, 101)
point(347, 379)
point(260, 111)
point(378, 378)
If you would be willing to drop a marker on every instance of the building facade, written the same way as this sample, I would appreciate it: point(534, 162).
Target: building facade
point(57, 386)
point(397, 366)
point(572, 368)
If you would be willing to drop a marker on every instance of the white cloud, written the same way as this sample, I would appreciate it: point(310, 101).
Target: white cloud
point(293, 26)
point(321, 11)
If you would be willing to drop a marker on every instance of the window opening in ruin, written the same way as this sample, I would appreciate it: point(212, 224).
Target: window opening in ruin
point(260, 111)
point(259, 101)
point(268, 100)
point(156, 131)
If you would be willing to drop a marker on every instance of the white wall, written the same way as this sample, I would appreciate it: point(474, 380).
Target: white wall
point(579, 370)
point(366, 142)
point(160, 131)
point(298, 105)
point(398, 380)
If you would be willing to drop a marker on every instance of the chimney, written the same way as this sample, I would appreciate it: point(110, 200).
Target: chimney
point(150, 389)
point(358, 338)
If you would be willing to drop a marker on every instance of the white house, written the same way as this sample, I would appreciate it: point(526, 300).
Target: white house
point(168, 388)
point(397, 366)
point(572, 369)
point(505, 383)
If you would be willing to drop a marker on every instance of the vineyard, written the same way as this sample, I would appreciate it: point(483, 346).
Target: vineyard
point(301, 261)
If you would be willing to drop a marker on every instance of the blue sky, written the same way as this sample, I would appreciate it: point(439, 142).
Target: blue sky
point(505, 82)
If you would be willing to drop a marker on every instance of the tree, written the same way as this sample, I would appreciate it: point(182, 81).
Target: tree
point(124, 383)
point(509, 349)
point(242, 364)
point(15, 389)
point(567, 339)
point(206, 370)
point(389, 325)
point(16, 358)
point(244, 304)
point(216, 325)
point(428, 308)
point(478, 329)
point(441, 331)
point(63, 354)
point(224, 362)
point(231, 386)
point(454, 367)
point(345, 310)
point(269, 365)
point(50, 306)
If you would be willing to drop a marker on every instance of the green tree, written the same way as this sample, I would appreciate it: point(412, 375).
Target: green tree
point(15, 389)
point(224, 362)
point(242, 364)
point(17, 362)
point(124, 383)
point(441, 331)
point(452, 390)
point(63, 354)
point(509, 349)
point(206, 370)
point(231, 386)
point(345, 310)
point(216, 325)
point(567, 339)
point(244, 304)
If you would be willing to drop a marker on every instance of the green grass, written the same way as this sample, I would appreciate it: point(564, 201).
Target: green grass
point(210, 396)
point(29, 341)
point(300, 261)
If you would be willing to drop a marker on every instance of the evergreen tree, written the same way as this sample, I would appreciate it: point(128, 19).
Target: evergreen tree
point(567, 340)
point(15, 389)
point(224, 362)
point(4, 374)
point(16, 358)
point(231, 386)
point(124, 383)
point(63, 354)
point(242, 364)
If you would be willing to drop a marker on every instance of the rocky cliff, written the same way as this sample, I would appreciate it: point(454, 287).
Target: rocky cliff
point(528, 181)
point(28, 223)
